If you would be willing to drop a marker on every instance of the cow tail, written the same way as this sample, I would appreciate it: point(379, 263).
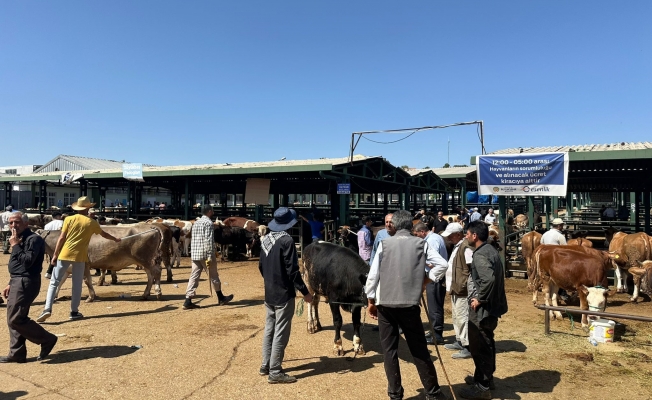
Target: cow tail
point(158, 254)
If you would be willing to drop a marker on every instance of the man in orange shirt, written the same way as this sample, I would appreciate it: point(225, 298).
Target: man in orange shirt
point(72, 252)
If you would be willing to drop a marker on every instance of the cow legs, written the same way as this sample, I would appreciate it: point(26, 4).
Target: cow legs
point(337, 324)
point(168, 268)
point(89, 284)
point(620, 288)
point(313, 314)
point(546, 296)
point(584, 305)
point(176, 255)
point(637, 284)
point(357, 341)
point(114, 277)
point(555, 289)
point(100, 282)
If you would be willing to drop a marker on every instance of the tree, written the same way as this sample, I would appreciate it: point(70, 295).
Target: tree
point(447, 165)
point(426, 167)
point(405, 167)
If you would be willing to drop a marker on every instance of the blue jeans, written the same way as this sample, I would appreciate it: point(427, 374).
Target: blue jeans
point(278, 324)
point(57, 276)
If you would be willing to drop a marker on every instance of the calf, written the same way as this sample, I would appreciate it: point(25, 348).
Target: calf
point(347, 238)
point(339, 274)
point(249, 225)
point(227, 236)
point(627, 251)
point(573, 268)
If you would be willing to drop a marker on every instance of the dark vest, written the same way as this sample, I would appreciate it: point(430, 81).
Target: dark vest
point(401, 270)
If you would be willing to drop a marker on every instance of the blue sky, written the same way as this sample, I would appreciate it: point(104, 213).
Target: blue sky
point(172, 83)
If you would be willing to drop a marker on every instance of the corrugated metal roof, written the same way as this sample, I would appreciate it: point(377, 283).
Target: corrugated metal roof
point(65, 163)
point(443, 172)
point(578, 148)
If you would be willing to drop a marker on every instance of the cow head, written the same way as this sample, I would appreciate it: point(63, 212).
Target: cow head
point(596, 297)
point(609, 234)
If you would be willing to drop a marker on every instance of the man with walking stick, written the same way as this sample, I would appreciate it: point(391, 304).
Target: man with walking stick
point(394, 286)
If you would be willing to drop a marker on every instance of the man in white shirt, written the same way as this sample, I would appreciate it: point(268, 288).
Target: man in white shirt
point(554, 235)
point(56, 223)
point(491, 217)
point(4, 228)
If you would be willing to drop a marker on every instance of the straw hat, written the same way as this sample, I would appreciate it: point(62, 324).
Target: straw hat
point(82, 203)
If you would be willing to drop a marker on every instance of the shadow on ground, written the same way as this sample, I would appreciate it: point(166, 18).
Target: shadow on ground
point(85, 353)
point(12, 395)
point(339, 365)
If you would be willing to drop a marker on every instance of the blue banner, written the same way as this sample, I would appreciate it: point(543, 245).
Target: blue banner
point(524, 174)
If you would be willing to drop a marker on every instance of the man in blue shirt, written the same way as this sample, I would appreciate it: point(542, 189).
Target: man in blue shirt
point(316, 227)
point(435, 291)
point(382, 234)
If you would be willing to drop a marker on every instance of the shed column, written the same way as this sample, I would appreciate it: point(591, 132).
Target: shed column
point(186, 214)
point(444, 203)
point(224, 200)
point(632, 208)
point(554, 201)
point(129, 199)
point(637, 212)
point(646, 211)
point(44, 196)
point(8, 188)
point(385, 205)
point(102, 198)
point(462, 192)
point(530, 212)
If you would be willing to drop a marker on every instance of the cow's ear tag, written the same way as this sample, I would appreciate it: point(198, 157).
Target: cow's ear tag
point(617, 256)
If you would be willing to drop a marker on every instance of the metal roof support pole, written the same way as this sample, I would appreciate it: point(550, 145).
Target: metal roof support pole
point(83, 188)
point(554, 207)
point(462, 183)
point(8, 188)
point(102, 198)
point(637, 226)
point(444, 203)
point(385, 205)
point(569, 204)
point(646, 210)
point(357, 200)
point(129, 195)
point(530, 212)
point(502, 207)
point(345, 199)
point(33, 194)
point(186, 203)
point(632, 208)
point(405, 199)
point(43, 196)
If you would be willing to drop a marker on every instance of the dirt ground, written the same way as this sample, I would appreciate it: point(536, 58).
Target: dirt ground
point(214, 352)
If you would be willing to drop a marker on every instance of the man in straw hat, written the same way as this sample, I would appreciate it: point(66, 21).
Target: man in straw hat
point(202, 253)
point(280, 270)
point(72, 251)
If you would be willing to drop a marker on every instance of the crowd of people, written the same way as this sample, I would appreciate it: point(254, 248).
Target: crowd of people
point(403, 257)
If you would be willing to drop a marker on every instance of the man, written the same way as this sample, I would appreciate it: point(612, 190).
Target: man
point(71, 251)
point(487, 303)
point(279, 267)
point(440, 223)
point(4, 228)
point(609, 213)
point(316, 226)
point(435, 291)
point(365, 241)
point(25, 265)
point(475, 215)
point(393, 289)
point(554, 235)
point(202, 253)
point(383, 234)
point(490, 218)
point(55, 225)
point(457, 276)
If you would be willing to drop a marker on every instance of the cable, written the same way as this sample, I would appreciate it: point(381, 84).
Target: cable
point(375, 141)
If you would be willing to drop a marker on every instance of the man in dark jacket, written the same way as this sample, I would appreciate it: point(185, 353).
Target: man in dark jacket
point(25, 270)
point(280, 270)
point(487, 303)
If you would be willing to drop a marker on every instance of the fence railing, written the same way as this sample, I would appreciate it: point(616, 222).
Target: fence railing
point(586, 312)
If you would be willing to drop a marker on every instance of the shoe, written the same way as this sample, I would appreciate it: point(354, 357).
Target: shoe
point(263, 371)
point(431, 341)
point(281, 378)
point(12, 360)
point(475, 392)
point(189, 305)
point(438, 395)
point(454, 346)
point(47, 276)
point(46, 349)
point(225, 300)
point(75, 315)
point(470, 381)
point(464, 353)
point(44, 315)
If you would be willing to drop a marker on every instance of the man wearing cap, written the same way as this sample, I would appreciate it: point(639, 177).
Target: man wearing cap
point(435, 290)
point(394, 288)
point(71, 251)
point(457, 276)
point(202, 253)
point(554, 235)
point(279, 267)
point(4, 228)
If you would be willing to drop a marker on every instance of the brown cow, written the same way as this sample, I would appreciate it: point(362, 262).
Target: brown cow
point(580, 242)
point(573, 268)
point(521, 221)
point(250, 226)
point(627, 250)
point(529, 243)
point(143, 249)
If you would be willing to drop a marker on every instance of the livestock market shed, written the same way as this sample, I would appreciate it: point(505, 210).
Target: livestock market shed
point(339, 182)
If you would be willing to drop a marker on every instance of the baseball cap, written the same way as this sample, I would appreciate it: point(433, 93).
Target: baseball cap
point(453, 227)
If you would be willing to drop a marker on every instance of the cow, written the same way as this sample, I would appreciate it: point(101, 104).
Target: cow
point(348, 238)
point(644, 271)
point(580, 242)
point(143, 249)
point(38, 221)
point(186, 230)
point(340, 275)
point(231, 235)
point(529, 243)
point(175, 246)
point(572, 268)
point(254, 227)
point(627, 250)
point(521, 222)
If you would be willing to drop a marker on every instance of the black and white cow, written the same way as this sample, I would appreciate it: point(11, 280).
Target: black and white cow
point(339, 274)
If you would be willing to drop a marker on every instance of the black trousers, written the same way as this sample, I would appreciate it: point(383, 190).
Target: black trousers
point(409, 319)
point(22, 293)
point(482, 347)
point(436, 293)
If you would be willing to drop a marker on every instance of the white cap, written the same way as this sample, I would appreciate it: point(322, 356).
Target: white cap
point(453, 227)
point(557, 221)
point(475, 209)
